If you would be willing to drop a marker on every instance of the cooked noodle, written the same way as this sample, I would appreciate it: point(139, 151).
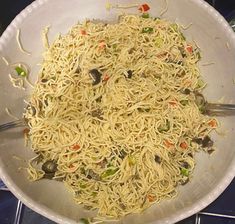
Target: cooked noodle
point(127, 142)
point(20, 44)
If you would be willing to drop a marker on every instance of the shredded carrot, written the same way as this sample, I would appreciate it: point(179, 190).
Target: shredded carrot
point(102, 45)
point(187, 83)
point(144, 8)
point(106, 78)
point(162, 55)
point(189, 48)
point(151, 198)
point(83, 32)
point(71, 166)
point(173, 103)
point(76, 147)
point(168, 144)
point(212, 123)
point(26, 131)
point(183, 145)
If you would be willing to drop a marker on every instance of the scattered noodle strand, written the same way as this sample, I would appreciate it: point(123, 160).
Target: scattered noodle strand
point(10, 114)
point(17, 82)
point(119, 6)
point(208, 64)
point(28, 82)
point(20, 44)
point(5, 60)
point(45, 37)
point(187, 26)
point(165, 9)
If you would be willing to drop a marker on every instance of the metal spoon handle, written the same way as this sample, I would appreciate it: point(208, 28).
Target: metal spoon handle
point(13, 124)
point(218, 106)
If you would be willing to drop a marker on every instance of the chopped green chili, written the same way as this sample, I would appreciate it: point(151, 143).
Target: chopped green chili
point(20, 71)
point(132, 160)
point(184, 172)
point(147, 30)
point(84, 221)
point(159, 42)
point(83, 185)
point(198, 54)
point(145, 15)
point(165, 127)
point(175, 27)
point(200, 84)
point(184, 102)
point(182, 36)
point(156, 18)
point(108, 173)
point(94, 194)
point(114, 46)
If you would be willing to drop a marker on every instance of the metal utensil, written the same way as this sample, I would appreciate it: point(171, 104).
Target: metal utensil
point(13, 124)
point(216, 109)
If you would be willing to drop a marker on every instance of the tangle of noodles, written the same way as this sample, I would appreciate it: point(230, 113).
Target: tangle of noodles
point(128, 141)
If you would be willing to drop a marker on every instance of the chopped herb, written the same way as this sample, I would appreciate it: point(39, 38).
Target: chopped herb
point(156, 18)
point(114, 46)
point(198, 54)
point(182, 36)
point(131, 160)
point(184, 102)
point(108, 173)
point(83, 185)
point(84, 221)
point(165, 127)
point(200, 84)
point(184, 172)
point(94, 194)
point(145, 15)
point(147, 30)
point(20, 71)
point(175, 27)
point(159, 42)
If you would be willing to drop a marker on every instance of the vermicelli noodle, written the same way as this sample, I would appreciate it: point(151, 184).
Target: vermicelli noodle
point(114, 108)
